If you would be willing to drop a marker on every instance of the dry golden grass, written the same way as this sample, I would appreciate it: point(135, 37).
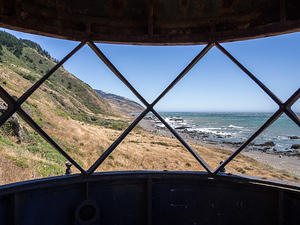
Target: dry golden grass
point(140, 150)
point(11, 172)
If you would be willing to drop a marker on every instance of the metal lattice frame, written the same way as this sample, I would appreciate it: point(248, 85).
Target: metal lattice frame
point(14, 106)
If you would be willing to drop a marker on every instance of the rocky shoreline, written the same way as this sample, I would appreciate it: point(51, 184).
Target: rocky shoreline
point(218, 138)
point(265, 153)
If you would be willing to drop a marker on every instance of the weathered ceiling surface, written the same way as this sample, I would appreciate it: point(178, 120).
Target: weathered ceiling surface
point(152, 21)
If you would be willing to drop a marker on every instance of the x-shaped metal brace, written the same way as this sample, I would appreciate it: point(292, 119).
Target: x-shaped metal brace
point(15, 106)
point(149, 107)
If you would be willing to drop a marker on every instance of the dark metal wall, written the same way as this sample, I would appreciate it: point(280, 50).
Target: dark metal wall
point(152, 21)
point(150, 198)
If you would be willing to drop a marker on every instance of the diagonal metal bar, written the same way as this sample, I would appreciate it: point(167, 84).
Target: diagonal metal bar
point(123, 79)
point(196, 156)
point(38, 129)
point(117, 142)
point(274, 117)
point(44, 135)
point(184, 72)
point(257, 81)
point(293, 98)
point(13, 108)
point(284, 109)
point(116, 72)
point(293, 116)
point(149, 107)
point(287, 107)
point(6, 97)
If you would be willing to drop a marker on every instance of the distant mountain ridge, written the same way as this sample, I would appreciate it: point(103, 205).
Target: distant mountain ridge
point(121, 103)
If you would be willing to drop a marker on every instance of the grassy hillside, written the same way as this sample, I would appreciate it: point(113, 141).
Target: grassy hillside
point(31, 62)
point(61, 99)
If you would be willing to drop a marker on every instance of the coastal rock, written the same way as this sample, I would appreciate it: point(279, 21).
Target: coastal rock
point(294, 137)
point(287, 152)
point(205, 135)
point(12, 125)
point(295, 146)
point(266, 148)
point(297, 152)
point(266, 144)
point(231, 143)
point(3, 107)
point(200, 134)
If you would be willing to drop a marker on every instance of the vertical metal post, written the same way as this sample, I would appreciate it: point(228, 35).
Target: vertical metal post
point(149, 201)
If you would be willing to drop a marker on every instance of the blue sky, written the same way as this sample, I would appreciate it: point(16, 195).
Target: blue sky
point(214, 84)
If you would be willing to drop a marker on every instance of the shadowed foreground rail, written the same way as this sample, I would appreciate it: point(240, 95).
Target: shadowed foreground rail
point(150, 198)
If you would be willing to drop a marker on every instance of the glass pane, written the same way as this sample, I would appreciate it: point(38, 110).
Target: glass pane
point(274, 60)
point(150, 69)
point(23, 61)
point(216, 107)
point(25, 155)
point(275, 151)
point(149, 147)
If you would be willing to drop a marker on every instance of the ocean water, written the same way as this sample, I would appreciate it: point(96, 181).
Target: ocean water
point(238, 127)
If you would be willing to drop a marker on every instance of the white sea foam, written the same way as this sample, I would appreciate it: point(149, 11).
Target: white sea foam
point(282, 137)
point(237, 127)
point(177, 122)
point(159, 125)
point(213, 125)
point(211, 130)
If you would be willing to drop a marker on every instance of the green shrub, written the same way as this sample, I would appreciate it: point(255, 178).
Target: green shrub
point(159, 143)
point(47, 169)
point(133, 141)
point(241, 170)
point(61, 113)
point(69, 85)
point(4, 140)
point(19, 161)
point(27, 77)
